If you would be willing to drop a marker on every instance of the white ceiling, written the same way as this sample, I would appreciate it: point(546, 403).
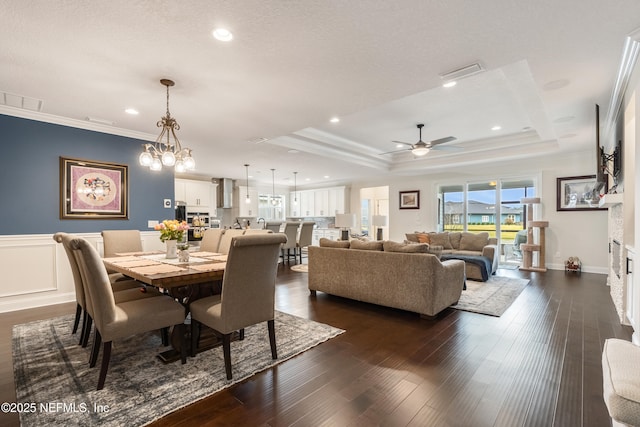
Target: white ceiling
point(295, 64)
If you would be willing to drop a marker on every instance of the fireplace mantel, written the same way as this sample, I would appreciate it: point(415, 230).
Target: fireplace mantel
point(609, 200)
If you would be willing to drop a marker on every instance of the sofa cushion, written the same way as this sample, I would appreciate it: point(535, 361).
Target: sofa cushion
point(454, 238)
point(390, 246)
point(412, 237)
point(473, 241)
point(372, 245)
point(440, 239)
point(328, 243)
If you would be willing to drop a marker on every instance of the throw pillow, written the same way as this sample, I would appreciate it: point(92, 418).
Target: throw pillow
point(390, 246)
point(473, 241)
point(412, 237)
point(440, 239)
point(423, 238)
point(454, 237)
point(328, 243)
point(372, 245)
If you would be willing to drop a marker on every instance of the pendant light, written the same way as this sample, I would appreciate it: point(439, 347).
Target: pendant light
point(163, 151)
point(273, 187)
point(295, 188)
point(248, 199)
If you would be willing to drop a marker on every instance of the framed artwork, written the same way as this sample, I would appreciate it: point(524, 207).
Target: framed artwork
point(93, 190)
point(410, 199)
point(578, 193)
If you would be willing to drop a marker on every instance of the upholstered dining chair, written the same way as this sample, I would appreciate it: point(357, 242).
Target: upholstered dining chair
point(305, 236)
point(273, 226)
point(211, 239)
point(127, 290)
point(225, 240)
point(118, 320)
point(291, 231)
point(248, 294)
point(120, 241)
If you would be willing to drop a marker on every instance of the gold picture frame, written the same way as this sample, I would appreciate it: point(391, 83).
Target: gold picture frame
point(91, 189)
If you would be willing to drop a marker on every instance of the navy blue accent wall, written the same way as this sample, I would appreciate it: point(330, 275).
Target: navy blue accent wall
point(30, 177)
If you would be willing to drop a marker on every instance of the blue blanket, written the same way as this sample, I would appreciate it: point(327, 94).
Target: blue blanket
point(483, 262)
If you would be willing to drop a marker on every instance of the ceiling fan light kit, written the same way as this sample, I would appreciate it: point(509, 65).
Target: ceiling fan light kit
point(421, 148)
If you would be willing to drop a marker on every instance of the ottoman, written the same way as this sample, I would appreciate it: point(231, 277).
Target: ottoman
point(621, 381)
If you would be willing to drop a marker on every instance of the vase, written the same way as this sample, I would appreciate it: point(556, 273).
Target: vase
point(172, 248)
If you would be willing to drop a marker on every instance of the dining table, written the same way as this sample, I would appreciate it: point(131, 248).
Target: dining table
point(185, 281)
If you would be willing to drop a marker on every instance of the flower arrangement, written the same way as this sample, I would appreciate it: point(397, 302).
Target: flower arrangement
point(172, 229)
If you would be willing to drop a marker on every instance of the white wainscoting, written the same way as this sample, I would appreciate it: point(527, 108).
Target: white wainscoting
point(35, 271)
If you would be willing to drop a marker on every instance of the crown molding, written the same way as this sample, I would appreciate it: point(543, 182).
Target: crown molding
point(74, 123)
point(630, 53)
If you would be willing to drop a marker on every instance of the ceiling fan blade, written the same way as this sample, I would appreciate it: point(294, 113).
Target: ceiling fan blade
point(396, 151)
point(442, 140)
point(447, 148)
point(405, 143)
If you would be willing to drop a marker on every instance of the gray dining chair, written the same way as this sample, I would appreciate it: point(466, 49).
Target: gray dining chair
point(291, 231)
point(120, 241)
point(211, 239)
point(126, 290)
point(273, 226)
point(118, 320)
point(305, 236)
point(248, 294)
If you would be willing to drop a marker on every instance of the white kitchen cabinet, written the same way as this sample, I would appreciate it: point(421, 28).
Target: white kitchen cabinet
point(336, 201)
point(306, 201)
point(196, 194)
point(327, 233)
point(247, 209)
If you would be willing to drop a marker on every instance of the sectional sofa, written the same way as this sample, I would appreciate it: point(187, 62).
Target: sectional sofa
point(391, 274)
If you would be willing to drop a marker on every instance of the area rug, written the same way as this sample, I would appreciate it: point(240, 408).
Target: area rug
point(492, 297)
point(50, 369)
point(300, 268)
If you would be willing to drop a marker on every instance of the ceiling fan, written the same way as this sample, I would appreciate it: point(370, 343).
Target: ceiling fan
point(421, 148)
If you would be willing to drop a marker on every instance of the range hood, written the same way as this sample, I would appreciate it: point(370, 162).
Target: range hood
point(225, 192)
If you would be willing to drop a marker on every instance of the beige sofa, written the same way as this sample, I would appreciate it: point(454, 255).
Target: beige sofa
point(417, 282)
point(464, 245)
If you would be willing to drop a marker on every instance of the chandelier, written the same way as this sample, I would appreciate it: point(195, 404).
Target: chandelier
point(163, 152)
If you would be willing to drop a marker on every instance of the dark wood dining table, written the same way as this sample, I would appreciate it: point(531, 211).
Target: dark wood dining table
point(201, 276)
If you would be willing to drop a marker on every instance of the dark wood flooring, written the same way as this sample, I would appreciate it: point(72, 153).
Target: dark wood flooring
point(537, 365)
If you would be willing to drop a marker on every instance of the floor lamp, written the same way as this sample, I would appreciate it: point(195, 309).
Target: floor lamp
point(379, 221)
point(345, 222)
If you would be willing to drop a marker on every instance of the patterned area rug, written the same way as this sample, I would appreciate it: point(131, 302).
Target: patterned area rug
point(492, 297)
point(50, 368)
point(300, 268)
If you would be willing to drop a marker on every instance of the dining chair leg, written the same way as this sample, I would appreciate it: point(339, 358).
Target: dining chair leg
point(76, 321)
point(164, 334)
point(195, 336)
point(95, 350)
point(106, 355)
point(241, 334)
point(226, 351)
point(272, 338)
point(87, 332)
point(83, 331)
point(183, 342)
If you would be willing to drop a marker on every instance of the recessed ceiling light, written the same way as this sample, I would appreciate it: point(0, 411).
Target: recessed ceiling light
point(222, 34)
point(496, 127)
point(307, 179)
point(327, 176)
point(335, 120)
point(292, 151)
point(452, 83)
point(132, 111)
point(399, 145)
